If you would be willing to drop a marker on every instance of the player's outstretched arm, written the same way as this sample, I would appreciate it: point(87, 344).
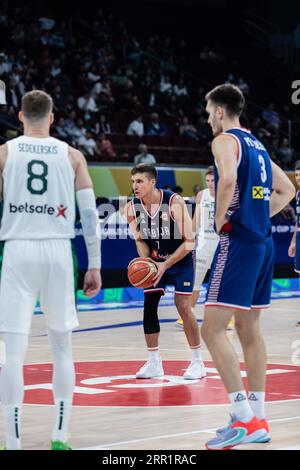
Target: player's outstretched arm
point(85, 198)
point(283, 190)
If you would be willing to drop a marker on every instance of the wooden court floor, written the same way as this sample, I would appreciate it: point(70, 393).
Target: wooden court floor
point(114, 411)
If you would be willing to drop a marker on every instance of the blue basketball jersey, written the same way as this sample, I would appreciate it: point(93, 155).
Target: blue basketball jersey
point(249, 211)
point(298, 209)
point(159, 231)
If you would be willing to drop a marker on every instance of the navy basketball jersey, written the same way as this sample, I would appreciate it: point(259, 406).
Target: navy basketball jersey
point(298, 209)
point(159, 231)
point(249, 211)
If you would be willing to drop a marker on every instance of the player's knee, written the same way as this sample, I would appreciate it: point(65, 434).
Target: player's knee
point(151, 322)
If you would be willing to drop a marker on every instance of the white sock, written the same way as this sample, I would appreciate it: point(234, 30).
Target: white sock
point(240, 406)
point(62, 417)
point(11, 415)
point(257, 403)
point(196, 353)
point(153, 354)
point(63, 381)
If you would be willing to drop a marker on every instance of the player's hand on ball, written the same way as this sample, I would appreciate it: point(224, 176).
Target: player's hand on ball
point(161, 269)
point(292, 250)
point(92, 282)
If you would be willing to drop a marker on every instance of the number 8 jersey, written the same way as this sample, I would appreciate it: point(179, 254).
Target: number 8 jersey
point(38, 190)
point(249, 211)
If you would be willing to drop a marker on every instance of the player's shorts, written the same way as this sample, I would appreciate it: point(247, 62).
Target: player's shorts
point(205, 252)
point(297, 254)
point(181, 275)
point(33, 268)
point(242, 272)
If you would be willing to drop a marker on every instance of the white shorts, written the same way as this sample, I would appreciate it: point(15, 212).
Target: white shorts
point(204, 256)
point(33, 268)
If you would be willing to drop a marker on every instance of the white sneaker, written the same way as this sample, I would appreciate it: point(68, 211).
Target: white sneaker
point(196, 370)
point(150, 369)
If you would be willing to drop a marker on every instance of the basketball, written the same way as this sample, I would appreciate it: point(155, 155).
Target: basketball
point(141, 272)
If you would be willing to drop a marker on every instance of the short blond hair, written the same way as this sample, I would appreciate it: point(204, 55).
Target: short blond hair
point(36, 105)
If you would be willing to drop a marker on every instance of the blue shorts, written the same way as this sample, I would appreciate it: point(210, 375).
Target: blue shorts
point(242, 272)
point(297, 254)
point(181, 275)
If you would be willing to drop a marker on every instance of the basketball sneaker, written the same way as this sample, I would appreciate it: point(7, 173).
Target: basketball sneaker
point(151, 369)
point(238, 433)
point(179, 324)
point(233, 419)
point(59, 445)
point(196, 370)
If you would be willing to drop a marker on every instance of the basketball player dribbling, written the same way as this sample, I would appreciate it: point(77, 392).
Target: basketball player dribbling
point(162, 228)
point(250, 189)
point(294, 248)
point(39, 178)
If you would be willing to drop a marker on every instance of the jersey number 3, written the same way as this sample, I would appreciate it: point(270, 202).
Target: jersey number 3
point(37, 171)
point(263, 172)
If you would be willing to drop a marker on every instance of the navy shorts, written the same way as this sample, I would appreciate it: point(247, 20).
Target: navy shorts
point(181, 275)
point(297, 254)
point(242, 272)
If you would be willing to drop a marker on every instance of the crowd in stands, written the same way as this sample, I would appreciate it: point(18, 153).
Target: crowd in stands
point(117, 95)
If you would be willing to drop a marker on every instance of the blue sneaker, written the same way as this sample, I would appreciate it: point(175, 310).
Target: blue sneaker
point(238, 433)
point(233, 419)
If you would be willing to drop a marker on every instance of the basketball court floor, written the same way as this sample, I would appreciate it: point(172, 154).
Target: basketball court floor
point(115, 411)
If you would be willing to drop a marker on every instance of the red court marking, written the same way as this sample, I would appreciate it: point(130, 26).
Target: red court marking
point(154, 392)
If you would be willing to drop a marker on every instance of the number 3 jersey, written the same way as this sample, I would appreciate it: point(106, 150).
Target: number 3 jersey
point(38, 190)
point(249, 211)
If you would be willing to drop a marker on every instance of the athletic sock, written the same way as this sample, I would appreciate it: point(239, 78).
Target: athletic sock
point(196, 353)
point(240, 406)
point(62, 417)
point(11, 415)
point(153, 354)
point(257, 403)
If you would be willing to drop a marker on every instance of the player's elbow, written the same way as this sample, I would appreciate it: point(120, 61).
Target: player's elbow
point(229, 181)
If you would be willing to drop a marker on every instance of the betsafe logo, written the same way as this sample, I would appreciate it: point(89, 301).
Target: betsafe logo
point(296, 93)
point(60, 210)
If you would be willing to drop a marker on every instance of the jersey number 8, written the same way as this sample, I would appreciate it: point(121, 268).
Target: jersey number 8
point(37, 171)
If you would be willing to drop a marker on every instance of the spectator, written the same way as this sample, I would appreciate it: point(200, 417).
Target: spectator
point(271, 116)
point(106, 147)
point(180, 89)
point(87, 103)
point(156, 127)
point(285, 153)
point(136, 127)
point(60, 129)
point(187, 130)
point(143, 156)
point(88, 145)
point(102, 127)
point(196, 190)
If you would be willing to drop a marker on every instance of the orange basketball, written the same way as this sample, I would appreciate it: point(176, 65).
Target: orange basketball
point(141, 272)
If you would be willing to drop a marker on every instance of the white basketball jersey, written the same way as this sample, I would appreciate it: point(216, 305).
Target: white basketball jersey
point(38, 190)
point(207, 216)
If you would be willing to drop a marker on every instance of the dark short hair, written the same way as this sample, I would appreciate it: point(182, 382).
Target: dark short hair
point(297, 165)
point(210, 171)
point(143, 168)
point(36, 105)
point(228, 96)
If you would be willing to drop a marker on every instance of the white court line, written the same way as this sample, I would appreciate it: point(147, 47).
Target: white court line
point(290, 448)
point(168, 436)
